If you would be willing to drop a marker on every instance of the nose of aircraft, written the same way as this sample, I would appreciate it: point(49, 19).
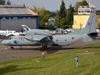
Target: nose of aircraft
point(4, 42)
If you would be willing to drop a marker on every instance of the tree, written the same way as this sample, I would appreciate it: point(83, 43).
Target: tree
point(57, 19)
point(83, 3)
point(76, 6)
point(50, 27)
point(53, 14)
point(8, 2)
point(70, 14)
point(63, 21)
point(62, 14)
point(35, 9)
point(2, 2)
point(44, 14)
point(62, 10)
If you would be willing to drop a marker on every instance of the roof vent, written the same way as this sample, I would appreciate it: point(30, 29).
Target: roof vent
point(23, 5)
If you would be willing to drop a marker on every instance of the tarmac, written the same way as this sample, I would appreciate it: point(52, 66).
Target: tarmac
point(29, 51)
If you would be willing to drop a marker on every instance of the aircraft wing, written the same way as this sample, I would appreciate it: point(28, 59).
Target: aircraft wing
point(37, 38)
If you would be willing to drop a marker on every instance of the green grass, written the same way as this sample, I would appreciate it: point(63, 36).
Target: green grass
point(62, 63)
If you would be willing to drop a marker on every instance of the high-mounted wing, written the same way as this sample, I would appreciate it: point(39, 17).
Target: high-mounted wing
point(37, 38)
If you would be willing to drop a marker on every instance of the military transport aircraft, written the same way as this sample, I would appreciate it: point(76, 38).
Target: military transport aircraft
point(42, 38)
point(8, 33)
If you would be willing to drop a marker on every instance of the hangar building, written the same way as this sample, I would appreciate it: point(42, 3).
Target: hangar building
point(13, 16)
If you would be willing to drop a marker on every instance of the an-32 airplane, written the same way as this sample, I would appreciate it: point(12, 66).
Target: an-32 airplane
point(41, 38)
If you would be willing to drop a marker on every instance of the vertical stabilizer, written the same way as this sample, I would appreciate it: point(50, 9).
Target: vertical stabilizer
point(26, 28)
point(90, 24)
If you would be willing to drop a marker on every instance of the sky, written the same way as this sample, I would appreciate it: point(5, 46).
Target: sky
point(52, 5)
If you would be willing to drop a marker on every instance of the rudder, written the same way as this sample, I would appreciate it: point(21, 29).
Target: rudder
point(90, 25)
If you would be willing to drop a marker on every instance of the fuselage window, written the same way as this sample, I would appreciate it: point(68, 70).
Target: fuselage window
point(56, 40)
point(72, 37)
point(15, 41)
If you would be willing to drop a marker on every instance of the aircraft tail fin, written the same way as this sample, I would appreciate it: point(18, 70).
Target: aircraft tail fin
point(89, 28)
point(90, 24)
point(26, 28)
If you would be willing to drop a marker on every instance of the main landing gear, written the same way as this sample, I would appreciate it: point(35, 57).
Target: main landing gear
point(42, 48)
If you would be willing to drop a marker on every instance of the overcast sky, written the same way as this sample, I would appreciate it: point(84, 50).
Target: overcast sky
point(52, 5)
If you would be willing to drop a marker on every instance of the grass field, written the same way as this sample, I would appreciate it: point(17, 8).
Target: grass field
point(62, 63)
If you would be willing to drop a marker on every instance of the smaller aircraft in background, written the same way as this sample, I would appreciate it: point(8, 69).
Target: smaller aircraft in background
point(25, 28)
point(7, 33)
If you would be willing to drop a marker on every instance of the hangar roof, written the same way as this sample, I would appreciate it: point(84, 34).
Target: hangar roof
point(16, 10)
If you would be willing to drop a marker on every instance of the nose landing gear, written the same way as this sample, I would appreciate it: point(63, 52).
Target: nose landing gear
point(12, 48)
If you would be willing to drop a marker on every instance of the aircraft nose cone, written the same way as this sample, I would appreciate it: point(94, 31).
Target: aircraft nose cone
point(4, 42)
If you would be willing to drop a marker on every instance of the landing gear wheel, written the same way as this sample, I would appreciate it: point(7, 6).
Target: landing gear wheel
point(45, 46)
point(42, 48)
point(12, 48)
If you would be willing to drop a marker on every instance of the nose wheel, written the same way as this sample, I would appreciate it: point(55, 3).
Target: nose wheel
point(12, 48)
